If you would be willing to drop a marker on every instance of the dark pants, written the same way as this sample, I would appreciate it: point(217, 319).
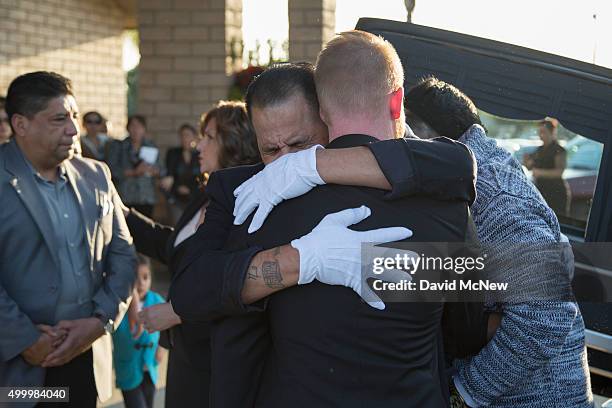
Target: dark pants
point(141, 396)
point(79, 377)
point(186, 384)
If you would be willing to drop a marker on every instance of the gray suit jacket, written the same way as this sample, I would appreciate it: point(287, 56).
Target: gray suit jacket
point(30, 278)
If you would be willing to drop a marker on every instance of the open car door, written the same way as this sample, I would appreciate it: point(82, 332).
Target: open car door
point(514, 87)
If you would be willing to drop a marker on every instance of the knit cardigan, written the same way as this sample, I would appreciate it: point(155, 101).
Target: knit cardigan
point(537, 357)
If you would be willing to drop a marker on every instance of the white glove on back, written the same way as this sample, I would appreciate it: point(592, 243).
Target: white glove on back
point(331, 253)
point(289, 176)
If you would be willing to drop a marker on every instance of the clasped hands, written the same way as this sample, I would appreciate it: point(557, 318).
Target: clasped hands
point(59, 344)
point(154, 318)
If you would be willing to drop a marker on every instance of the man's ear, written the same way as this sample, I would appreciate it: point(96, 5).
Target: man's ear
point(20, 124)
point(323, 116)
point(395, 103)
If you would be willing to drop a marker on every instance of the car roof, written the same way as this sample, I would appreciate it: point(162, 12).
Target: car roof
point(503, 79)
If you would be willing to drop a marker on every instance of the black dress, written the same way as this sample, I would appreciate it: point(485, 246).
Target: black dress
point(188, 376)
point(554, 190)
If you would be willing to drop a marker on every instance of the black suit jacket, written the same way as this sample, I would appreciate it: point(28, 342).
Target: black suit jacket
point(314, 328)
point(189, 340)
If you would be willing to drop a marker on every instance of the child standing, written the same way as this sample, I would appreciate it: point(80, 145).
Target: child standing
point(136, 359)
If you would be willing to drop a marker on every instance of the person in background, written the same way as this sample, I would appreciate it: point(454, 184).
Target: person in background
point(547, 164)
point(183, 168)
point(5, 125)
point(67, 261)
point(136, 359)
point(227, 140)
point(94, 141)
point(537, 357)
point(133, 175)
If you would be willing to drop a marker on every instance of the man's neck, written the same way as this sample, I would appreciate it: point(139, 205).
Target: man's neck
point(348, 127)
point(46, 171)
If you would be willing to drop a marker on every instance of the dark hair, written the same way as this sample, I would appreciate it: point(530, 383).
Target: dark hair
point(138, 118)
point(187, 126)
point(30, 93)
point(550, 124)
point(281, 81)
point(442, 107)
point(91, 113)
point(236, 137)
point(2, 102)
point(142, 260)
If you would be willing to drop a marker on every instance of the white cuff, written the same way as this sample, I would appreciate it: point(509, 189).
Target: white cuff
point(464, 394)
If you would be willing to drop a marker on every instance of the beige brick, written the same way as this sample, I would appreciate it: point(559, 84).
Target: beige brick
point(155, 33)
point(145, 17)
point(191, 94)
point(173, 18)
point(209, 79)
point(172, 108)
point(190, 64)
point(156, 63)
point(173, 49)
point(217, 33)
point(191, 33)
point(210, 49)
point(155, 5)
point(173, 79)
point(190, 4)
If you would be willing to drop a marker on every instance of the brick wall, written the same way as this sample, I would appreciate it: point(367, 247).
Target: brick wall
point(80, 39)
point(311, 24)
point(185, 64)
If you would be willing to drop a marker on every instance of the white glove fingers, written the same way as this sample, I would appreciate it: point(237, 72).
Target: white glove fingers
point(260, 216)
point(382, 235)
point(394, 275)
point(347, 217)
point(371, 298)
point(243, 208)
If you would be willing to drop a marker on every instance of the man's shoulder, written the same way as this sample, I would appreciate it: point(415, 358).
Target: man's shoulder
point(234, 176)
point(87, 166)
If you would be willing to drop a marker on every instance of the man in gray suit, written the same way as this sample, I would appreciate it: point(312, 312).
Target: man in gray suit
point(67, 264)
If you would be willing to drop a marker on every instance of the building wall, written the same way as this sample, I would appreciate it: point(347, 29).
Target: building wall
point(311, 25)
point(80, 39)
point(185, 65)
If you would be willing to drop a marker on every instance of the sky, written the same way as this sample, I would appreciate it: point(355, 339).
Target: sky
point(561, 27)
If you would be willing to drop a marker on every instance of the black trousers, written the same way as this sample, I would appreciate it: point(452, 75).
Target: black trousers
point(186, 384)
point(79, 377)
point(141, 396)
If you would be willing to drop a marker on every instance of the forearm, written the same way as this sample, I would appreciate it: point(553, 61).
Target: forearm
point(150, 237)
point(270, 271)
point(529, 336)
point(355, 166)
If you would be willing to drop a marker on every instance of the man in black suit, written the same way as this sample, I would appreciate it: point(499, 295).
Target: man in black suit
point(358, 333)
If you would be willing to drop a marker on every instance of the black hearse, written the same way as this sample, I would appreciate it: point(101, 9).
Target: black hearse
point(514, 88)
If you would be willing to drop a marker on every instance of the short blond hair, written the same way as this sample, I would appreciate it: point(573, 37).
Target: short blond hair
point(355, 72)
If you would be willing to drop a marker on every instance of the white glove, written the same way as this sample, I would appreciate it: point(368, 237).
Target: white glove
point(331, 253)
point(289, 176)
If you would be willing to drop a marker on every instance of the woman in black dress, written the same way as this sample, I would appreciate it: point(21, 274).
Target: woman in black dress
point(547, 165)
point(226, 140)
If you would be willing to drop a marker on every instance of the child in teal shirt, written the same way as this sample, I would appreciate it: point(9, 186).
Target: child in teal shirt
point(136, 360)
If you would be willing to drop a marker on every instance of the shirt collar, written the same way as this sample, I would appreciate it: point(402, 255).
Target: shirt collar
point(351, 141)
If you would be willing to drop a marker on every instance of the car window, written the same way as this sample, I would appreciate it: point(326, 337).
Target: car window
point(571, 194)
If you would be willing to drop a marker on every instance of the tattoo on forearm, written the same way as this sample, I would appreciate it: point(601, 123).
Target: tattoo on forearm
point(252, 273)
point(271, 275)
